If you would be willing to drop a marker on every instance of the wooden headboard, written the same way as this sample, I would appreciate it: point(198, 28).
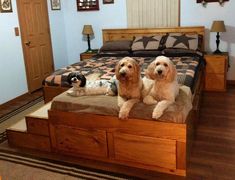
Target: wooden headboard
point(128, 34)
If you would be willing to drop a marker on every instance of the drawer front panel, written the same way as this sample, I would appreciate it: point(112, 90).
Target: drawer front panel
point(81, 141)
point(215, 82)
point(145, 150)
point(37, 126)
point(215, 64)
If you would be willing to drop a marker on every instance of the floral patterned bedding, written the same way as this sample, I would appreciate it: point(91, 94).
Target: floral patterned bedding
point(104, 68)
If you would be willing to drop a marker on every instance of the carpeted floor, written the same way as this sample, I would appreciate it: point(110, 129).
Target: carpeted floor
point(15, 110)
point(22, 166)
point(18, 104)
point(22, 112)
point(19, 167)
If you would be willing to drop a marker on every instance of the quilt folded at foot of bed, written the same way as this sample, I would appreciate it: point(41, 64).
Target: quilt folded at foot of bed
point(107, 105)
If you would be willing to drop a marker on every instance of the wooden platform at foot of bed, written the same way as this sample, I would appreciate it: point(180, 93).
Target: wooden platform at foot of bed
point(139, 144)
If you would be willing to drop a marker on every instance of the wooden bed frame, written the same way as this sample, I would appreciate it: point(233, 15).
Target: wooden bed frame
point(127, 34)
point(135, 143)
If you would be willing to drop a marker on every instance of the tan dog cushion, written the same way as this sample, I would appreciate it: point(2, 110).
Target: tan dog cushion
point(107, 105)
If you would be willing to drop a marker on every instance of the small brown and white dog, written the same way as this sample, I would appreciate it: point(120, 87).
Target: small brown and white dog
point(160, 85)
point(129, 85)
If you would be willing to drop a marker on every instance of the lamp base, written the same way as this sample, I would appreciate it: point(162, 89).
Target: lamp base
point(217, 51)
point(89, 51)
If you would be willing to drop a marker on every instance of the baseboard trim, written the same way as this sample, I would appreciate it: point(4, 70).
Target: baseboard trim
point(231, 82)
point(14, 100)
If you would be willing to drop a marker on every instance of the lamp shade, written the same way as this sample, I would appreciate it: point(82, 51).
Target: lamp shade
point(87, 29)
point(218, 26)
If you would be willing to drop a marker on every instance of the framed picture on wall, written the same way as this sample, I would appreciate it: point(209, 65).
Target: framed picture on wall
point(108, 1)
point(5, 6)
point(87, 5)
point(55, 5)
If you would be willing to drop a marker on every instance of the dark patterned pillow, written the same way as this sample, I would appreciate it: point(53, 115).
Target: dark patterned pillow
point(149, 53)
point(124, 45)
point(173, 52)
point(114, 53)
point(141, 43)
point(184, 41)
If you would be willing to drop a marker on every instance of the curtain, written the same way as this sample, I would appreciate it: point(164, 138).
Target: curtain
point(152, 13)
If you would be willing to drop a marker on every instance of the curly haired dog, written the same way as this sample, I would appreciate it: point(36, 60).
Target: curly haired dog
point(161, 86)
point(129, 85)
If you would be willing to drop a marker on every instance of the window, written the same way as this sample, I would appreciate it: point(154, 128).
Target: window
point(152, 13)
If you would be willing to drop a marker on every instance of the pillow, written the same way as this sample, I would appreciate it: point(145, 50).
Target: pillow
point(141, 43)
point(124, 45)
point(147, 53)
point(184, 41)
point(114, 53)
point(173, 52)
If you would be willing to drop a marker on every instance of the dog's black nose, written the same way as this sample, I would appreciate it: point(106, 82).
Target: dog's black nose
point(123, 73)
point(74, 79)
point(159, 71)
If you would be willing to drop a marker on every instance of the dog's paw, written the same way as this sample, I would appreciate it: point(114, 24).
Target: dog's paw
point(156, 114)
point(123, 115)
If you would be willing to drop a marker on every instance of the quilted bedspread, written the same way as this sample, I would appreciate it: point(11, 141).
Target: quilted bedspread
point(104, 68)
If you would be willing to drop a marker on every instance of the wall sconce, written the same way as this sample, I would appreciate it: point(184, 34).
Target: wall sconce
point(221, 2)
point(204, 3)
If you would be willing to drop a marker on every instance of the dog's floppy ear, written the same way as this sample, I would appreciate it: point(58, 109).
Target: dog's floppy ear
point(83, 80)
point(117, 68)
point(171, 75)
point(69, 77)
point(149, 72)
point(137, 70)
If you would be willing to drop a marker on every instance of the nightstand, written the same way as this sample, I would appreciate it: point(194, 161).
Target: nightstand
point(88, 55)
point(216, 71)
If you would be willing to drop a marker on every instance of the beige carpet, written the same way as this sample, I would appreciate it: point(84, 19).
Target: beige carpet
point(14, 119)
point(15, 166)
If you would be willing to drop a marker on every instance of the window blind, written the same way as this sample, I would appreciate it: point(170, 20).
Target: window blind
point(152, 13)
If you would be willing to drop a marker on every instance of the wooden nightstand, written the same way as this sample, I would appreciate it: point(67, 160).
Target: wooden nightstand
point(88, 55)
point(216, 71)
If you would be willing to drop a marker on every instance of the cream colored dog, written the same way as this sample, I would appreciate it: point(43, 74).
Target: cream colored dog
point(161, 86)
point(129, 85)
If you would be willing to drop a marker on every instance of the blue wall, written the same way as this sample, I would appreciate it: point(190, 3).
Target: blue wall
point(109, 16)
point(12, 68)
point(195, 14)
point(58, 35)
point(68, 41)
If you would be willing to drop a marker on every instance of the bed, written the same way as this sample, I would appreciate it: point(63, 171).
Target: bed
point(57, 83)
point(89, 127)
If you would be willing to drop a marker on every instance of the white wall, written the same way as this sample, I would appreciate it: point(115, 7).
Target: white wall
point(195, 14)
point(12, 68)
point(109, 16)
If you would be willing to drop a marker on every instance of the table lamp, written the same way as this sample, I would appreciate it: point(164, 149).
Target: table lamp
point(87, 30)
point(218, 26)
